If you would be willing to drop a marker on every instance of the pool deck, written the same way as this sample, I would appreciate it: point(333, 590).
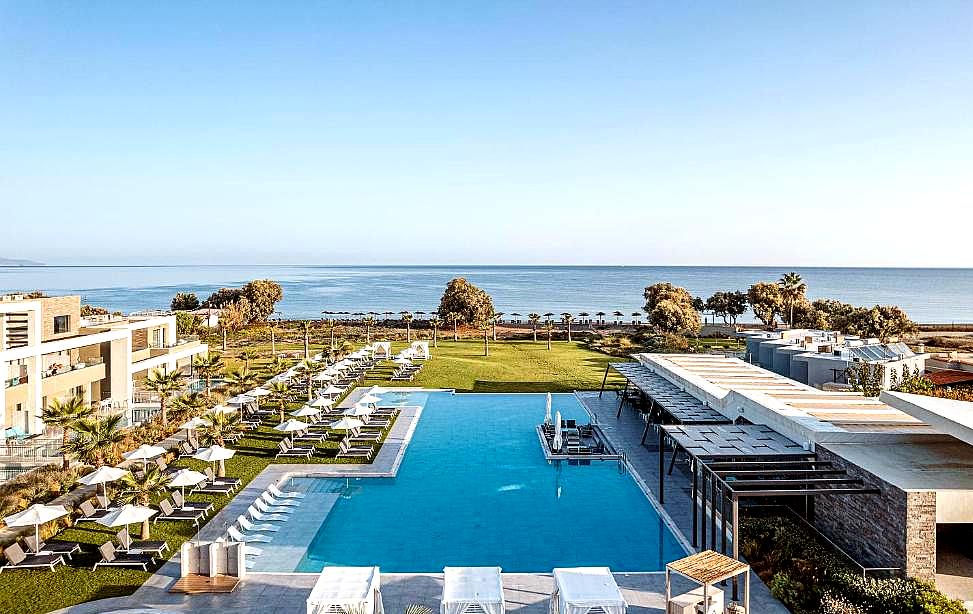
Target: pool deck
point(277, 593)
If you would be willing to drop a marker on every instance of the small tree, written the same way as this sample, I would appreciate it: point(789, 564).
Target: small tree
point(549, 327)
point(279, 392)
point(497, 318)
point(866, 379)
point(567, 318)
point(534, 319)
point(222, 426)
point(65, 415)
point(240, 380)
point(140, 489)
point(208, 367)
point(165, 385)
point(184, 301)
point(766, 301)
point(96, 439)
point(368, 323)
point(435, 322)
point(308, 367)
point(407, 318)
point(306, 331)
point(246, 356)
point(455, 318)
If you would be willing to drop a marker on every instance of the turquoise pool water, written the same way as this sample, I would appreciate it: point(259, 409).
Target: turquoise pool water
point(475, 489)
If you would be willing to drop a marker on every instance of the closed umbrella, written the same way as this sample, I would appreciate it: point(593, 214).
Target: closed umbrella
point(215, 454)
point(102, 475)
point(558, 441)
point(128, 514)
point(346, 424)
point(184, 478)
point(547, 411)
point(36, 515)
point(143, 453)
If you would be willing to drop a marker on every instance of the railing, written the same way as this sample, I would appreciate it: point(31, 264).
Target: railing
point(143, 414)
point(35, 447)
point(75, 367)
point(15, 381)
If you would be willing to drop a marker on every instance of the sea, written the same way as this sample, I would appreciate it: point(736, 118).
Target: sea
point(928, 295)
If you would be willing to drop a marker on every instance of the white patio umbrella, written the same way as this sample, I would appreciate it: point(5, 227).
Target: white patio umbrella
point(257, 392)
point(333, 390)
point(332, 371)
point(321, 402)
point(126, 515)
point(194, 423)
point(369, 399)
point(184, 478)
point(102, 475)
point(305, 411)
point(215, 454)
point(558, 441)
point(143, 453)
point(321, 377)
point(222, 409)
point(240, 399)
point(36, 515)
point(346, 424)
point(358, 410)
point(547, 411)
point(289, 426)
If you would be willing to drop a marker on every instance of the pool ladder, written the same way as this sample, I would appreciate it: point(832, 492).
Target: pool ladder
point(622, 463)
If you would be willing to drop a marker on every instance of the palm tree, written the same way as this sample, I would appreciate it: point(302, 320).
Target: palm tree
point(601, 317)
point(567, 318)
point(222, 426)
point(407, 318)
point(534, 318)
point(455, 317)
point(584, 316)
point(192, 403)
point(308, 367)
point(240, 380)
point(279, 392)
point(332, 325)
point(165, 385)
point(435, 322)
point(64, 415)
point(278, 364)
point(247, 355)
point(548, 315)
point(549, 327)
point(306, 329)
point(368, 323)
point(141, 488)
point(96, 439)
point(497, 318)
point(792, 287)
point(486, 325)
point(208, 367)
point(618, 314)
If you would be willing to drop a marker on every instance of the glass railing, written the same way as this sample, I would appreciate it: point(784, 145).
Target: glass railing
point(15, 381)
point(58, 369)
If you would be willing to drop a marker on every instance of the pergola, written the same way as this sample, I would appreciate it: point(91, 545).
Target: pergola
point(706, 569)
point(731, 463)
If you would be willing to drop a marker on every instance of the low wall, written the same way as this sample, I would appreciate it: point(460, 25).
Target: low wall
point(894, 528)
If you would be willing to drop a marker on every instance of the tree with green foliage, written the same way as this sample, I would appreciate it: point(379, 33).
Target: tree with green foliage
point(535, 319)
point(184, 301)
point(187, 323)
point(407, 319)
point(65, 415)
point(141, 489)
point(190, 403)
point(472, 303)
point(208, 367)
point(549, 327)
point(222, 427)
point(279, 392)
point(671, 309)
point(308, 367)
point(566, 319)
point(728, 305)
point(435, 322)
point(247, 355)
point(96, 439)
point(222, 298)
point(792, 291)
point(263, 296)
point(165, 385)
point(911, 381)
point(240, 380)
point(805, 315)
point(766, 301)
point(866, 378)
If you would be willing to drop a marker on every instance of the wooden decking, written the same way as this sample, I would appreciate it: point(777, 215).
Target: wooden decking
point(196, 585)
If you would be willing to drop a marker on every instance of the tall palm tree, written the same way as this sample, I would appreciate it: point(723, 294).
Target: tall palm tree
point(567, 318)
point(792, 288)
point(534, 318)
point(279, 392)
point(64, 415)
point(455, 317)
point(548, 315)
point(247, 355)
point(486, 325)
point(368, 323)
point(208, 367)
point(222, 426)
point(584, 316)
point(332, 325)
point(601, 317)
point(140, 489)
point(435, 322)
point(308, 367)
point(407, 318)
point(240, 380)
point(192, 403)
point(618, 315)
point(278, 364)
point(497, 318)
point(306, 330)
point(165, 385)
point(549, 327)
point(97, 439)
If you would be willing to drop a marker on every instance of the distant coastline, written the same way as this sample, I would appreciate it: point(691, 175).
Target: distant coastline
point(19, 262)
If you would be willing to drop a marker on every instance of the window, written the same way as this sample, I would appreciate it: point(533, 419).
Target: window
point(62, 324)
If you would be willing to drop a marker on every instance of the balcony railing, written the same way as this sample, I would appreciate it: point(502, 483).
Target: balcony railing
point(32, 448)
point(91, 362)
point(15, 381)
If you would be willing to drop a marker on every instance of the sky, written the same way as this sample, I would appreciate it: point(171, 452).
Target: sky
point(494, 132)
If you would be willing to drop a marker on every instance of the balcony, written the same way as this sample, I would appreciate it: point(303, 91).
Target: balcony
point(15, 381)
point(154, 351)
point(56, 381)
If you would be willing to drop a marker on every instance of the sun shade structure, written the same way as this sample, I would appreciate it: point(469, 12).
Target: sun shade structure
point(580, 590)
point(472, 590)
point(358, 410)
point(195, 423)
point(707, 568)
point(35, 515)
point(346, 589)
point(305, 411)
point(222, 409)
point(240, 399)
point(321, 377)
point(346, 424)
point(214, 454)
point(369, 399)
point(144, 452)
point(103, 475)
point(289, 426)
point(257, 392)
point(667, 403)
point(126, 515)
point(321, 401)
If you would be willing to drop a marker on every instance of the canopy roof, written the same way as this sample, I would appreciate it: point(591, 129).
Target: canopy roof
point(579, 589)
point(346, 587)
point(472, 586)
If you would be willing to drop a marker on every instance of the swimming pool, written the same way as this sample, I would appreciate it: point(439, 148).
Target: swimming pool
point(474, 488)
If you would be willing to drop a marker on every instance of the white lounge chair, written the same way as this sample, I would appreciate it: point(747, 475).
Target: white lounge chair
point(261, 517)
point(272, 489)
point(248, 525)
point(236, 535)
point(269, 500)
point(261, 505)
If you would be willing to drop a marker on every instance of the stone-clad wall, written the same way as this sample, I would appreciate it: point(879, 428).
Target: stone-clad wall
point(892, 529)
point(60, 306)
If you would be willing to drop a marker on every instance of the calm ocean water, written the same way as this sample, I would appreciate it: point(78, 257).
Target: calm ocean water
point(928, 295)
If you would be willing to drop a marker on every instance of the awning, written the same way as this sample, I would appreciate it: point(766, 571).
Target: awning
point(348, 589)
point(578, 590)
point(472, 589)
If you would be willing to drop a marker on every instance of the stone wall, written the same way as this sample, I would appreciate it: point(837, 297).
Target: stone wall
point(60, 306)
point(894, 528)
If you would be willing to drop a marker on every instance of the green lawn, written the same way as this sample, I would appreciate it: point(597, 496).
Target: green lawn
point(513, 366)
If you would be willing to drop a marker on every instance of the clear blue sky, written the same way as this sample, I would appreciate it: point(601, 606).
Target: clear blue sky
point(834, 133)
